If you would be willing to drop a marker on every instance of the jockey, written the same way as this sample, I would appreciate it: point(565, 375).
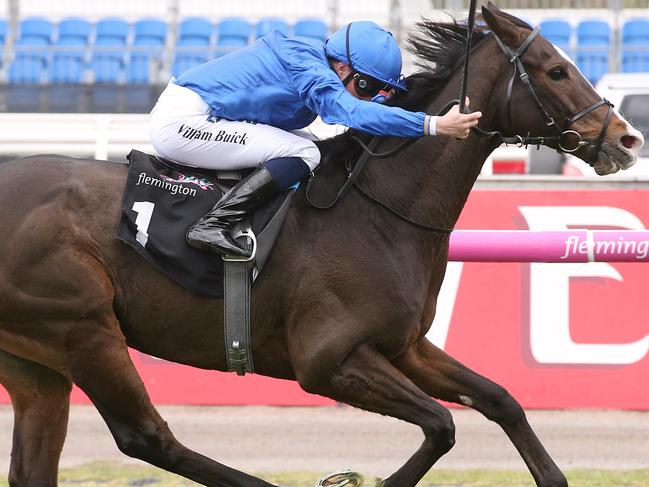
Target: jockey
point(243, 110)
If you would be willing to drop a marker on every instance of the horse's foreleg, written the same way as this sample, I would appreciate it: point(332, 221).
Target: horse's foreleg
point(367, 380)
point(443, 377)
point(101, 366)
point(41, 400)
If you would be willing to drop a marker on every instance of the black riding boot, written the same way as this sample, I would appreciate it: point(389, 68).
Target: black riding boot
point(214, 231)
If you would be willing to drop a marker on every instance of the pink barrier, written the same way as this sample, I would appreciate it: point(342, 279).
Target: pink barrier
point(549, 246)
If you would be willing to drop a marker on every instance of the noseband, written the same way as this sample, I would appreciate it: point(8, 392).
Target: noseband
point(565, 134)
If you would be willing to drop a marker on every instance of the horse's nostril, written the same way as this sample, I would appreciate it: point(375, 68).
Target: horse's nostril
point(629, 141)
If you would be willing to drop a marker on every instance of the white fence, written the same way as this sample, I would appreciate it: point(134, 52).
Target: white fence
point(100, 136)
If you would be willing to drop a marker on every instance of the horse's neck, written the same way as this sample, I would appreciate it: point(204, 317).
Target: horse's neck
point(431, 181)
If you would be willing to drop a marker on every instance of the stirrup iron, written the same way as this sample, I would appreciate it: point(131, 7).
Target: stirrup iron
point(250, 235)
point(345, 478)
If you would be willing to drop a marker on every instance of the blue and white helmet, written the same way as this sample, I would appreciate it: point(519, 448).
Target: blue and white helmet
point(368, 49)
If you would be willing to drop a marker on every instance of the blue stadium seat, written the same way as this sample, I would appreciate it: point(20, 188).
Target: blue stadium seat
point(110, 50)
point(635, 46)
point(192, 47)
point(594, 33)
point(69, 52)
point(311, 28)
point(67, 69)
point(264, 26)
point(74, 30)
point(233, 33)
point(558, 32)
point(30, 59)
point(195, 31)
point(593, 44)
point(635, 31)
point(150, 31)
point(68, 61)
point(36, 28)
point(26, 70)
point(112, 31)
point(150, 37)
point(189, 53)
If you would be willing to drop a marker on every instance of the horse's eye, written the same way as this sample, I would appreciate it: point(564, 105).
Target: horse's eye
point(557, 73)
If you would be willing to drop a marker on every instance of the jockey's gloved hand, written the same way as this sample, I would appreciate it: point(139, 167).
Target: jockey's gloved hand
point(453, 123)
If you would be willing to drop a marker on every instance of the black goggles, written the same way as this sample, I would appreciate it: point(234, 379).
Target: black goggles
point(366, 86)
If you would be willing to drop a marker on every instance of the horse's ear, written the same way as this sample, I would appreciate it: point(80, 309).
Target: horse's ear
point(499, 22)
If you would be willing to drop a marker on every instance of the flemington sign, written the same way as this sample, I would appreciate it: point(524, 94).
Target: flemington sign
point(573, 333)
point(568, 334)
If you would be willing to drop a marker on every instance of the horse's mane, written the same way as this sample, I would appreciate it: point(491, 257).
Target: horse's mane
point(439, 47)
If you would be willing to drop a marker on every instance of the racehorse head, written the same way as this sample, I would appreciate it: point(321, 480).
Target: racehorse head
point(547, 96)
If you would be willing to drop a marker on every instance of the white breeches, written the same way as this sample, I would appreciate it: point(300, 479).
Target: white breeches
point(183, 130)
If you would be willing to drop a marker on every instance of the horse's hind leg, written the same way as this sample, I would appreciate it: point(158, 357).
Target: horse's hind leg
point(366, 379)
point(41, 401)
point(443, 377)
point(101, 367)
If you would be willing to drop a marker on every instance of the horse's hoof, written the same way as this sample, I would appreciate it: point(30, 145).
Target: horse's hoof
point(346, 478)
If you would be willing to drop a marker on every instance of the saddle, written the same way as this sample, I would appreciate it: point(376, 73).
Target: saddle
point(163, 199)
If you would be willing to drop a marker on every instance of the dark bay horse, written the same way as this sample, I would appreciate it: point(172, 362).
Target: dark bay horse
point(345, 300)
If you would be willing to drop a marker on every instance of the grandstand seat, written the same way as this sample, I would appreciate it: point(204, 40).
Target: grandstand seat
point(69, 52)
point(594, 32)
point(38, 29)
point(73, 30)
point(593, 44)
point(192, 47)
point(26, 69)
point(635, 46)
point(635, 31)
point(195, 31)
point(150, 32)
point(68, 62)
point(314, 28)
point(112, 31)
point(30, 59)
point(558, 32)
point(110, 50)
point(150, 37)
point(264, 26)
point(233, 34)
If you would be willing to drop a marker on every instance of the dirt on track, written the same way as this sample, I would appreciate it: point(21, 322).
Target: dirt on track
point(271, 439)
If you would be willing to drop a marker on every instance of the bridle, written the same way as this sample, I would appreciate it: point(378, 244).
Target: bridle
point(564, 134)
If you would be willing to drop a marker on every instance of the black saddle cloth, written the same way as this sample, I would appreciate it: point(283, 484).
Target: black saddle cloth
point(162, 200)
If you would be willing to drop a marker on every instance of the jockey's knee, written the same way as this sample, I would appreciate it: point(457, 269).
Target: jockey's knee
point(309, 153)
